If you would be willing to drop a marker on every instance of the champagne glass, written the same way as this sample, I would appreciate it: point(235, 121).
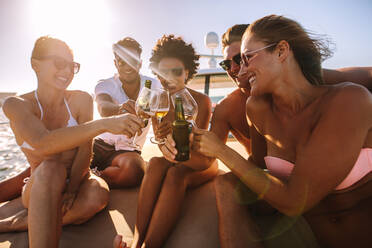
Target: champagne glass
point(190, 107)
point(161, 111)
point(146, 105)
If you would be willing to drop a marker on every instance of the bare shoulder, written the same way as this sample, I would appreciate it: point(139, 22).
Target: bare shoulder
point(79, 96)
point(202, 99)
point(81, 105)
point(256, 106)
point(232, 101)
point(15, 104)
point(350, 98)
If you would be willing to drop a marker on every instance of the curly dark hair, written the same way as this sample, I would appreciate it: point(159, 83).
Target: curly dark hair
point(175, 47)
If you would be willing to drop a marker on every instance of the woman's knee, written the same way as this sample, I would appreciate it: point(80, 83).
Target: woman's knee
point(97, 196)
point(156, 166)
point(175, 177)
point(50, 174)
point(131, 173)
point(225, 182)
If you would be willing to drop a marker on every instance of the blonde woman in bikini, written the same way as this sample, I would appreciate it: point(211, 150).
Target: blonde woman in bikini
point(54, 128)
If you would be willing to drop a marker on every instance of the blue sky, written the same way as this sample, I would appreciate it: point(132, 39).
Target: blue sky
point(91, 26)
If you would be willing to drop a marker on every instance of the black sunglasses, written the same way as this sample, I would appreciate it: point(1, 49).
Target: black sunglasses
point(226, 64)
point(175, 71)
point(61, 63)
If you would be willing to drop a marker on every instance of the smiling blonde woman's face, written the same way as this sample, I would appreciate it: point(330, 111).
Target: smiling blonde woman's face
point(47, 66)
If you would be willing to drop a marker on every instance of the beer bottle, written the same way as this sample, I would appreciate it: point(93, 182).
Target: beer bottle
point(148, 84)
point(181, 132)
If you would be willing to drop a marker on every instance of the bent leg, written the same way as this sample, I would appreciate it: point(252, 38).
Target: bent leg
point(126, 170)
point(236, 227)
point(13, 216)
point(42, 196)
point(148, 195)
point(92, 197)
point(169, 204)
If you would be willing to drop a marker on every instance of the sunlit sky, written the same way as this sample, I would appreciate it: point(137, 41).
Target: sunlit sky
point(90, 27)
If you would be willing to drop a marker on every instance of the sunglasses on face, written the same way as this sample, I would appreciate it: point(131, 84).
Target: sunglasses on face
point(226, 64)
point(175, 71)
point(245, 57)
point(61, 63)
point(122, 63)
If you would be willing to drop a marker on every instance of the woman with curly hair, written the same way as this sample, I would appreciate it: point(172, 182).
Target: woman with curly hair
point(166, 180)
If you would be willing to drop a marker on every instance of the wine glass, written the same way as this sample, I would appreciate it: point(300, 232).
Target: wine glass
point(161, 111)
point(146, 105)
point(190, 107)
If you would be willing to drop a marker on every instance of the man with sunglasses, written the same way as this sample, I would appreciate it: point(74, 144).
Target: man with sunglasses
point(114, 159)
point(232, 214)
point(224, 120)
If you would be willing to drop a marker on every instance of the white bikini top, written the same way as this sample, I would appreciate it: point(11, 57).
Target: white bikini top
point(71, 121)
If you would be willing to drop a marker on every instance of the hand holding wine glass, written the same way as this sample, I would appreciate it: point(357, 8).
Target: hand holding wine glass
point(146, 105)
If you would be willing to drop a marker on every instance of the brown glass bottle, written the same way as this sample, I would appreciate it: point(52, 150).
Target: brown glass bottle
point(147, 109)
point(181, 132)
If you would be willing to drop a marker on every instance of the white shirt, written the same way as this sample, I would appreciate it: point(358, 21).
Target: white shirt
point(113, 87)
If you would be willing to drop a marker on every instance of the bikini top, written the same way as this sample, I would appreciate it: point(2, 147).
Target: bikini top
point(71, 120)
point(283, 168)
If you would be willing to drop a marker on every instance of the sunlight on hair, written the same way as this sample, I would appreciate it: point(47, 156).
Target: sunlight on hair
point(83, 25)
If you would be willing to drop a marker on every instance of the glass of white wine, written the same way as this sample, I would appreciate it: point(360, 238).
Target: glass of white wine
point(190, 107)
point(161, 111)
point(146, 106)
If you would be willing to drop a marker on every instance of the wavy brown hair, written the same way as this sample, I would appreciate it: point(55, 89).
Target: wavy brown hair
point(170, 46)
point(308, 51)
point(233, 34)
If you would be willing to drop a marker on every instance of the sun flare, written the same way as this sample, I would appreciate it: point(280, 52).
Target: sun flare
point(72, 21)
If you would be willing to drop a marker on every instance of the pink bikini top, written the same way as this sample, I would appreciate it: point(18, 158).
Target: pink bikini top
point(282, 168)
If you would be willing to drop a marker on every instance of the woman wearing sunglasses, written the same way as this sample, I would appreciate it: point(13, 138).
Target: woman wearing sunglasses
point(319, 148)
point(166, 180)
point(53, 127)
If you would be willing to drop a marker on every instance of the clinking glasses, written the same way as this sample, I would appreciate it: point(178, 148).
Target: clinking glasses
point(226, 64)
point(61, 63)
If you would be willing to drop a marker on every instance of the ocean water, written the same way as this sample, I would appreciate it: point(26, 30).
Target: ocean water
point(12, 160)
